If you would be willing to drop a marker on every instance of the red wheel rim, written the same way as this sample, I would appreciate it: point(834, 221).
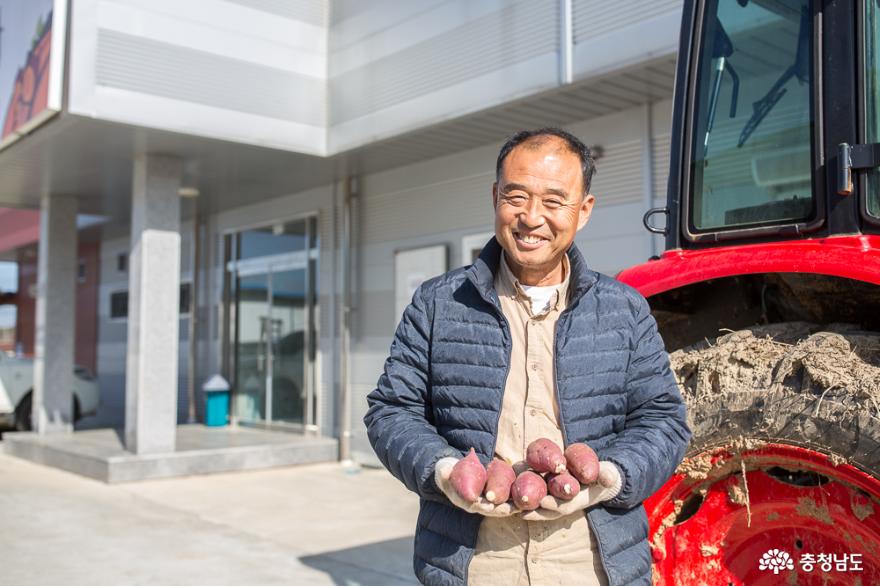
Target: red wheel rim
point(799, 503)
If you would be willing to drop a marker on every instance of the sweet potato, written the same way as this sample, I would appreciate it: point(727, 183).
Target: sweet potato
point(499, 477)
point(545, 456)
point(583, 463)
point(527, 491)
point(563, 486)
point(469, 477)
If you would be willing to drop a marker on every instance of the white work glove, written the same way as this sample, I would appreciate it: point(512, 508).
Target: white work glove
point(442, 472)
point(605, 488)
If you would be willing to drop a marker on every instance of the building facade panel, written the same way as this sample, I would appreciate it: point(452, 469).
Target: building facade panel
point(473, 62)
point(613, 35)
point(249, 71)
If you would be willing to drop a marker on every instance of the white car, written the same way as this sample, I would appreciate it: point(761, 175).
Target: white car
point(16, 392)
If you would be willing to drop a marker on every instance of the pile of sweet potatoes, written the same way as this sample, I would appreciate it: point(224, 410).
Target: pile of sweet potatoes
point(551, 470)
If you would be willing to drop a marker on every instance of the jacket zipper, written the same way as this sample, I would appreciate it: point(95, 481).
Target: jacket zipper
point(505, 329)
point(564, 315)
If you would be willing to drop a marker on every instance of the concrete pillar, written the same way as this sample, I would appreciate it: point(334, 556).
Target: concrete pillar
point(52, 402)
point(153, 306)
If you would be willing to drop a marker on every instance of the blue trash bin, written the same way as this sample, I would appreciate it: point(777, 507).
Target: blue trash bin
point(216, 401)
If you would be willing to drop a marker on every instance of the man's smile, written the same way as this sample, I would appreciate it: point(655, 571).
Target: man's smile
point(530, 241)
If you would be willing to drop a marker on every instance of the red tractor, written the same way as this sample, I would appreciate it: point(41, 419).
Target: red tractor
point(768, 295)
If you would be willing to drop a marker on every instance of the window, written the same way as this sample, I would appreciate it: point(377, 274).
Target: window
point(752, 126)
point(122, 262)
point(184, 298)
point(872, 99)
point(119, 302)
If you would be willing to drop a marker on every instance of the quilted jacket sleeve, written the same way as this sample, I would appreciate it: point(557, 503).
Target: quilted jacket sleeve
point(399, 416)
point(656, 433)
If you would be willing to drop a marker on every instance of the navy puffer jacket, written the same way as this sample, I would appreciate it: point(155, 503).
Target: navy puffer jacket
point(441, 394)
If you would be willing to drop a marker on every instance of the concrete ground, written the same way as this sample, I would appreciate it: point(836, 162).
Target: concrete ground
point(315, 524)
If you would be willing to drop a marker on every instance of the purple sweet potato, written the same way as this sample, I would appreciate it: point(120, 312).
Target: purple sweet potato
point(545, 456)
point(469, 477)
point(563, 486)
point(527, 491)
point(583, 463)
point(499, 477)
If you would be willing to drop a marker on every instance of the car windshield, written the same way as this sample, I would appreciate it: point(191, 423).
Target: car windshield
point(752, 123)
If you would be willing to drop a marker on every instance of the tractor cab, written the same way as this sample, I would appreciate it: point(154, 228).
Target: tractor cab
point(768, 295)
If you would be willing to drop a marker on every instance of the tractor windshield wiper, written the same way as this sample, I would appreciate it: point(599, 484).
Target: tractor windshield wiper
point(721, 51)
point(800, 69)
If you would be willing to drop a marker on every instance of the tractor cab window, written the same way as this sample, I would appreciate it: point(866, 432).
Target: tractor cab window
point(752, 124)
point(872, 95)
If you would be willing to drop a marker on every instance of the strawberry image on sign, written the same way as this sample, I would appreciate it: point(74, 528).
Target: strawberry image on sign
point(31, 91)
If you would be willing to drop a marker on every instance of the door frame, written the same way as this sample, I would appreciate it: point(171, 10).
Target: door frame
point(267, 265)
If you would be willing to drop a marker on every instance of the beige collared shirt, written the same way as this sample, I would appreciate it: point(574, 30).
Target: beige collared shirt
point(511, 551)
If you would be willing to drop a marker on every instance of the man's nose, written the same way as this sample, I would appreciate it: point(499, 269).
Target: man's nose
point(532, 214)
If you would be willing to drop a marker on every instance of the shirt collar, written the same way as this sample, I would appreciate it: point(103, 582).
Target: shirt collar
point(508, 285)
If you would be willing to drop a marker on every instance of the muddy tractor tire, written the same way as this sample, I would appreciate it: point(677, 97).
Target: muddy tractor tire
point(784, 460)
point(796, 383)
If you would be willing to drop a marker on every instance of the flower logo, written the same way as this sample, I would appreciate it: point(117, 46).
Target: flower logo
point(776, 560)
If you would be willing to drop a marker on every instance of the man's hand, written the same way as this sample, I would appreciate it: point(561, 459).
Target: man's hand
point(442, 472)
point(607, 487)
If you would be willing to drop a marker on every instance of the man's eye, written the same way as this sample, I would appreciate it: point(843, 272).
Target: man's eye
point(516, 199)
point(552, 203)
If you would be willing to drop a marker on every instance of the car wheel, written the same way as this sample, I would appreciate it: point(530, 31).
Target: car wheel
point(23, 413)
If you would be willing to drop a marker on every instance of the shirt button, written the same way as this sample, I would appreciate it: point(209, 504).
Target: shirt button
point(533, 412)
point(534, 366)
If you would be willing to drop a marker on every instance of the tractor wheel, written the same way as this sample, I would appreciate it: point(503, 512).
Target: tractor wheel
point(784, 464)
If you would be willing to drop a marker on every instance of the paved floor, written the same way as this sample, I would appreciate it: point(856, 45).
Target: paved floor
point(316, 524)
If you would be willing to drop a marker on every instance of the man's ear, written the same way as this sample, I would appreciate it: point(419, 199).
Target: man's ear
point(585, 209)
point(494, 195)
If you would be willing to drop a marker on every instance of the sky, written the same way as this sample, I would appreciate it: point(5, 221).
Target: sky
point(8, 282)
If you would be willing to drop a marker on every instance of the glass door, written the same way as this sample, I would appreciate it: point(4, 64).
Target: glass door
point(272, 276)
point(287, 343)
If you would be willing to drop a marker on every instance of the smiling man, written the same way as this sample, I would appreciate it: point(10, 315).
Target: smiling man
point(529, 343)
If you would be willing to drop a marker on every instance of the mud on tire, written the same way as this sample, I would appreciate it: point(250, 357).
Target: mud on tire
point(816, 386)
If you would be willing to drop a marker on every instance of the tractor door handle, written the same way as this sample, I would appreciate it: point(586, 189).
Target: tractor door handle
point(646, 220)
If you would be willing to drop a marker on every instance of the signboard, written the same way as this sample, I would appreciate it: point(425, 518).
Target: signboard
point(32, 39)
point(411, 269)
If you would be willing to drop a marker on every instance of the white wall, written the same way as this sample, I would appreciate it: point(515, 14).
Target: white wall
point(323, 76)
point(397, 66)
point(244, 70)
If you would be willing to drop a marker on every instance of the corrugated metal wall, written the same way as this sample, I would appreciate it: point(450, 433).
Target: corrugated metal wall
point(594, 18)
point(613, 35)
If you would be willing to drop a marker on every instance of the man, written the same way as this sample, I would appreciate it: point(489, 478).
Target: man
point(526, 343)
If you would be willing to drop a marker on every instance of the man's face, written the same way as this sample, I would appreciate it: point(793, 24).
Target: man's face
point(539, 207)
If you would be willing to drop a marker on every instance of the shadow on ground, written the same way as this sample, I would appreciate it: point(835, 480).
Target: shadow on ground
point(385, 563)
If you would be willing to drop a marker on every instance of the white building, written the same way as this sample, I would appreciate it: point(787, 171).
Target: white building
point(341, 151)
